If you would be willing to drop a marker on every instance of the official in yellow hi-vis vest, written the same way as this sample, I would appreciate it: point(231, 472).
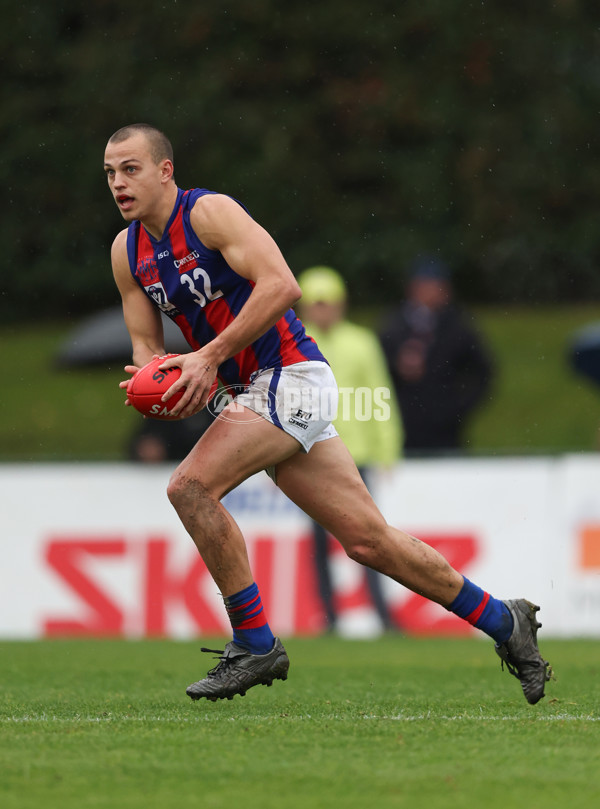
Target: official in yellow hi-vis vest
point(368, 418)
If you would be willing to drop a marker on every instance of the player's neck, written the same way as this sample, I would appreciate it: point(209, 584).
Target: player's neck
point(155, 221)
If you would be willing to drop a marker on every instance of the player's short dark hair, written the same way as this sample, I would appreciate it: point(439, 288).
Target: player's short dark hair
point(160, 145)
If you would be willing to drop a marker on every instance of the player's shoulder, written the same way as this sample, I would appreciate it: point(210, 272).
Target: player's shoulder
point(214, 217)
point(120, 240)
point(119, 244)
point(210, 204)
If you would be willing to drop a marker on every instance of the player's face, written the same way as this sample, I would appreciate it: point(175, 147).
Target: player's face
point(135, 180)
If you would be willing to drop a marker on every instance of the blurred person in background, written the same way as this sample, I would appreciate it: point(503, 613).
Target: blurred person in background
point(161, 441)
point(584, 357)
point(438, 362)
point(358, 364)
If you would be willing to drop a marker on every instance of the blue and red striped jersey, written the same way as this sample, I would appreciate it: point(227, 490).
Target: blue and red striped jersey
point(196, 288)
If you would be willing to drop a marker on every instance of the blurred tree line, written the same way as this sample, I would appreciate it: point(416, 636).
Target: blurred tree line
point(358, 134)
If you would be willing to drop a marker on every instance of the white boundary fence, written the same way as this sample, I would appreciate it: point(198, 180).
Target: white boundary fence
point(96, 549)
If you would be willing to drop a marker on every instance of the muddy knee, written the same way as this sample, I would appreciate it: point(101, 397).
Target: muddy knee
point(189, 496)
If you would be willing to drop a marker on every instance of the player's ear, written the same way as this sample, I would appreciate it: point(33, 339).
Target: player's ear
point(166, 170)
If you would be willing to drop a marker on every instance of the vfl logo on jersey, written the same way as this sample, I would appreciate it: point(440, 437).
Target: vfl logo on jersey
point(159, 296)
point(147, 270)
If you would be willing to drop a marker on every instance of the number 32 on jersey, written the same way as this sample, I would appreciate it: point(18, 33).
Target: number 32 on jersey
point(199, 278)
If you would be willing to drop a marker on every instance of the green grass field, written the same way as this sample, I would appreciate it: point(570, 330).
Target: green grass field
point(537, 405)
point(397, 722)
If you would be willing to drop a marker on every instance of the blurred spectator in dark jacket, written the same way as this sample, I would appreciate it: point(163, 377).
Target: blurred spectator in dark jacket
point(439, 365)
point(156, 441)
point(584, 356)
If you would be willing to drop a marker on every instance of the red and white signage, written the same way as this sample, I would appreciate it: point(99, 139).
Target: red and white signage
point(98, 550)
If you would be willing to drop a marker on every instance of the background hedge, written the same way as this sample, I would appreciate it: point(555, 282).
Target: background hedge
point(358, 134)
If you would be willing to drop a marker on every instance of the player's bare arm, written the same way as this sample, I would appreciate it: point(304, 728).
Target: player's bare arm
point(251, 252)
point(141, 317)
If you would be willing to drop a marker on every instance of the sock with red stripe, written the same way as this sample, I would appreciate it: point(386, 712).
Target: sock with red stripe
point(250, 627)
point(484, 611)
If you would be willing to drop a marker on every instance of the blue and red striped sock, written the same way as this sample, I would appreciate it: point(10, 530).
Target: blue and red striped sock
point(250, 627)
point(484, 611)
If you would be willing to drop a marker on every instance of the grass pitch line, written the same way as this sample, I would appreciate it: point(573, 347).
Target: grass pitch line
point(109, 719)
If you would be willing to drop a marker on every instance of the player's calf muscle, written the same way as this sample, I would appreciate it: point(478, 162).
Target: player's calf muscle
point(422, 569)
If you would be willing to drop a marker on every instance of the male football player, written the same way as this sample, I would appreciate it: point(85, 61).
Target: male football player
point(203, 260)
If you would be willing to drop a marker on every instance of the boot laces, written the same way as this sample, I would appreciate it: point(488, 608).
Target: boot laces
point(224, 661)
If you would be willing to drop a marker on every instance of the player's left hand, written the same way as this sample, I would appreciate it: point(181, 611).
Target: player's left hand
point(129, 369)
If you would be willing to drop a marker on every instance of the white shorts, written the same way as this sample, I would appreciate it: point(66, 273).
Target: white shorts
point(300, 399)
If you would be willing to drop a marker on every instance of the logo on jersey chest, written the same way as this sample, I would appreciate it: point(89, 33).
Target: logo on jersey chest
point(157, 292)
point(187, 262)
point(191, 276)
point(147, 270)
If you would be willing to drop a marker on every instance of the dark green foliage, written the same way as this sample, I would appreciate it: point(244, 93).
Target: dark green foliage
point(357, 134)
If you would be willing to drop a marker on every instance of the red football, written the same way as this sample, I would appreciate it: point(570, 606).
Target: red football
point(147, 387)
